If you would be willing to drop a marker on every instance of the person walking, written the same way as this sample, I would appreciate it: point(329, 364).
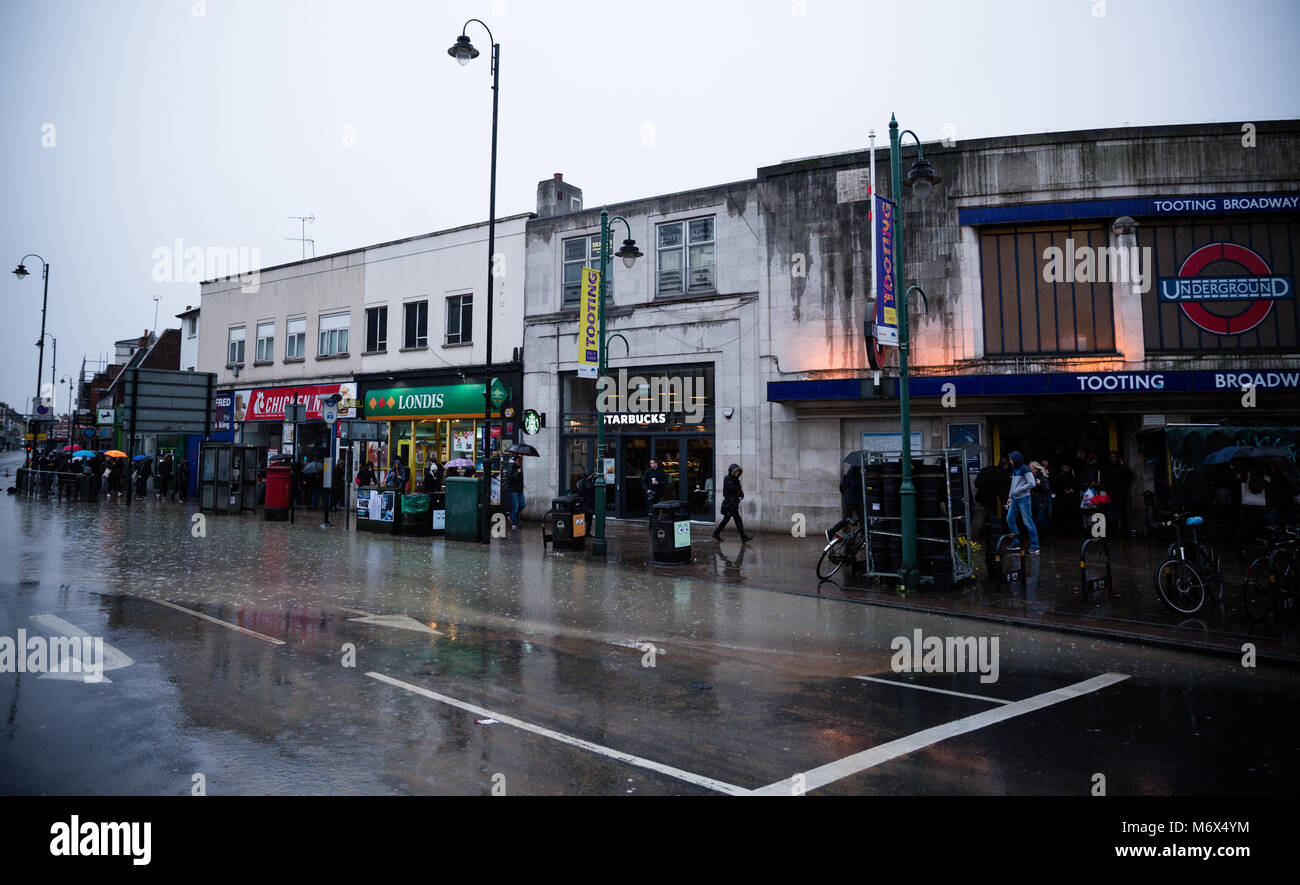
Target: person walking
point(142, 474)
point(116, 474)
point(1116, 479)
point(1067, 491)
point(164, 476)
point(338, 484)
point(513, 485)
point(655, 483)
point(181, 489)
point(851, 493)
point(732, 494)
point(1019, 503)
point(1041, 497)
point(991, 486)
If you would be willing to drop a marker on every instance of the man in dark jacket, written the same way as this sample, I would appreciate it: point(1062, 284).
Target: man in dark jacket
point(1116, 479)
point(513, 485)
point(851, 493)
point(732, 494)
point(655, 483)
point(992, 485)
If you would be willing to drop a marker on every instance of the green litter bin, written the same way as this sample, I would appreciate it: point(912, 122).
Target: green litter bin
point(464, 502)
point(416, 515)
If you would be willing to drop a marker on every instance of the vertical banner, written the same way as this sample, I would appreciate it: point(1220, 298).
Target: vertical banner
point(886, 297)
point(588, 324)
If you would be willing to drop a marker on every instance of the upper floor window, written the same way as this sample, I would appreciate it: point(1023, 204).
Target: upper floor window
point(460, 319)
point(686, 256)
point(295, 347)
point(334, 334)
point(235, 347)
point(581, 252)
point(191, 326)
point(265, 342)
point(416, 324)
point(376, 329)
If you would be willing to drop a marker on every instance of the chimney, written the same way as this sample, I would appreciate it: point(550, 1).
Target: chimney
point(555, 197)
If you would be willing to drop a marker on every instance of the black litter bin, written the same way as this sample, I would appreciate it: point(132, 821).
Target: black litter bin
point(566, 523)
point(416, 515)
point(670, 532)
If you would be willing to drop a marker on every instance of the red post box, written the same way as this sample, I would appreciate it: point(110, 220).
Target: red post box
point(277, 492)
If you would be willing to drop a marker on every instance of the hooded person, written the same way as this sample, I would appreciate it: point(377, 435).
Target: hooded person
point(731, 495)
point(1019, 504)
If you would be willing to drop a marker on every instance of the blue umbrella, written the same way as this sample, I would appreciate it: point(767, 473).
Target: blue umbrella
point(84, 453)
point(139, 457)
point(1227, 454)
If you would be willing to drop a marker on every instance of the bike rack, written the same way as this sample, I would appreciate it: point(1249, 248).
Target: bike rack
point(1090, 585)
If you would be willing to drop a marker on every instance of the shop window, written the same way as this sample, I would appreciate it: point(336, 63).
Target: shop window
point(295, 345)
point(1030, 307)
point(235, 347)
point(581, 252)
point(416, 321)
point(265, 342)
point(460, 319)
point(376, 329)
point(686, 258)
point(334, 334)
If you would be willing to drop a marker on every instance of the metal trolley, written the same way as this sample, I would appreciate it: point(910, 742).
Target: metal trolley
point(944, 535)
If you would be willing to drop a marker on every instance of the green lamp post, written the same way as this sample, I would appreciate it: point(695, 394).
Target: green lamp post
point(921, 178)
point(629, 253)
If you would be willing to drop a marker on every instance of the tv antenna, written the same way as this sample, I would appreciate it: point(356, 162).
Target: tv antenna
point(304, 239)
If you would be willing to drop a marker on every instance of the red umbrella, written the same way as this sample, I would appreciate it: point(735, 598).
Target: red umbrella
point(72, 448)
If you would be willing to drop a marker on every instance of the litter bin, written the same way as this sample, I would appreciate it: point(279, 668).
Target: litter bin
point(376, 509)
point(670, 532)
point(415, 515)
point(277, 492)
point(464, 503)
point(438, 512)
point(567, 523)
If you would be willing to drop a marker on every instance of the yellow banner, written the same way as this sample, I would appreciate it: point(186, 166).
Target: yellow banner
point(588, 323)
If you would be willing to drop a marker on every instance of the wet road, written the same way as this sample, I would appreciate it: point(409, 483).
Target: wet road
point(270, 658)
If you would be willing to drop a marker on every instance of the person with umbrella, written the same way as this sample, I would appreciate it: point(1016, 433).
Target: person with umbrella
point(181, 491)
point(143, 471)
point(513, 485)
point(164, 476)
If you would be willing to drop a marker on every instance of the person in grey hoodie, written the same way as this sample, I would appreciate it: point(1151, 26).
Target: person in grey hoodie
point(1019, 505)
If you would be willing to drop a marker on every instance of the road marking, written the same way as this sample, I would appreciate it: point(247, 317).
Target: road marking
point(851, 765)
point(960, 694)
point(190, 611)
point(113, 659)
point(400, 622)
point(355, 611)
point(688, 777)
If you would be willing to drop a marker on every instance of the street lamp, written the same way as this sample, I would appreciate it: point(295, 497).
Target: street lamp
point(463, 51)
point(921, 178)
point(629, 253)
point(21, 271)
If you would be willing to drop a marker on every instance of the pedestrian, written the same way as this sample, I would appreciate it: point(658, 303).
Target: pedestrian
point(989, 489)
point(366, 475)
point(1019, 503)
point(117, 474)
point(397, 475)
point(732, 494)
point(1116, 479)
point(181, 490)
point(164, 476)
point(1050, 475)
point(1280, 496)
point(1087, 506)
point(513, 485)
point(102, 468)
point(433, 474)
point(655, 482)
point(851, 493)
point(1066, 484)
point(142, 474)
point(1040, 498)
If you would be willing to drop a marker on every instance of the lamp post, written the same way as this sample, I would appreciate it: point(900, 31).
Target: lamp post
point(920, 178)
point(464, 52)
point(54, 366)
point(629, 253)
point(20, 271)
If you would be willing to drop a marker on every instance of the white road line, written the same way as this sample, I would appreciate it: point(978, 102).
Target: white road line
point(960, 694)
point(113, 659)
point(222, 623)
point(355, 611)
point(688, 777)
point(851, 765)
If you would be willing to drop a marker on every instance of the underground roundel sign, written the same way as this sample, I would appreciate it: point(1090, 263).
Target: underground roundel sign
point(1252, 294)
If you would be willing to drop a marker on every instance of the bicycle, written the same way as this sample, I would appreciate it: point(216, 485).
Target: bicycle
point(845, 539)
point(1272, 583)
point(1190, 575)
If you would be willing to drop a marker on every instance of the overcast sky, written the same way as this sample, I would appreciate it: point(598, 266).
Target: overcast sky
point(213, 122)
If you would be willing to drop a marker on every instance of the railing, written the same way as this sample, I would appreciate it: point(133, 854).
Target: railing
point(61, 484)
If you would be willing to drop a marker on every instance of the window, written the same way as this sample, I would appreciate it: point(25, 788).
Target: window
point(265, 342)
point(295, 347)
point(1025, 309)
point(235, 350)
point(191, 326)
point(686, 256)
point(333, 334)
point(416, 323)
point(376, 329)
point(579, 253)
point(460, 319)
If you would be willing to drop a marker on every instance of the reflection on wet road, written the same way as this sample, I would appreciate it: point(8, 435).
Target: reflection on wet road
point(287, 659)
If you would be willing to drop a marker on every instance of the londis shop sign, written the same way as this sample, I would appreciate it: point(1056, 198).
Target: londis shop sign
point(453, 401)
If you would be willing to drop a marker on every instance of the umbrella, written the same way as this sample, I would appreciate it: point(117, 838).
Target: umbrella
point(461, 462)
point(313, 467)
point(138, 457)
point(522, 449)
point(1233, 452)
point(114, 453)
point(858, 458)
point(72, 448)
point(83, 453)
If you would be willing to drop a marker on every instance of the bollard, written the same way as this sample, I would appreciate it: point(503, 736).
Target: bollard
point(1087, 585)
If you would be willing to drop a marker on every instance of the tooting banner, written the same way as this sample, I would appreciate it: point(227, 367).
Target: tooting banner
point(588, 324)
point(886, 297)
